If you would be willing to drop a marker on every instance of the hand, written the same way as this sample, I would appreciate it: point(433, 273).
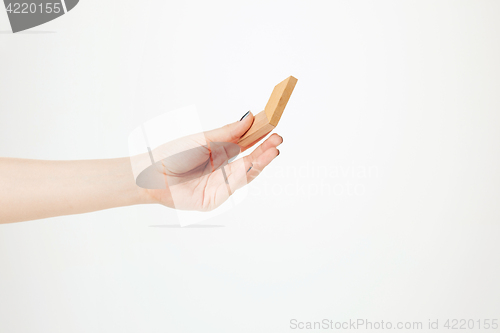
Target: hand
point(196, 172)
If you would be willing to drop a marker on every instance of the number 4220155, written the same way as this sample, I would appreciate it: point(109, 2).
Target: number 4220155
point(25, 8)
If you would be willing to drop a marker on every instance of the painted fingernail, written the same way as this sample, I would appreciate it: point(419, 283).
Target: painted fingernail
point(245, 115)
point(250, 168)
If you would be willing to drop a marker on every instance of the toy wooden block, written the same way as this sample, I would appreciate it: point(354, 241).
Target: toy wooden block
point(265, 121)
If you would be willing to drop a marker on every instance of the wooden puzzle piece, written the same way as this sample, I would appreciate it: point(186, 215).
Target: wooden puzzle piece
point(265, 121)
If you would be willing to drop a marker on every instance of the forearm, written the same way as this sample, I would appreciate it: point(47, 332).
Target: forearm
point(33, 189)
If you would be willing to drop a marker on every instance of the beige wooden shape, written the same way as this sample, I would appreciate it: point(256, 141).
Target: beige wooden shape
point(265, 121)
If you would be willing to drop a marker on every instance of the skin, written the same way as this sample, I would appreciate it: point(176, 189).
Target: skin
point(36, 189)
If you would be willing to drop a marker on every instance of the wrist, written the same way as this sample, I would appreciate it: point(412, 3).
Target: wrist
point(131, 193)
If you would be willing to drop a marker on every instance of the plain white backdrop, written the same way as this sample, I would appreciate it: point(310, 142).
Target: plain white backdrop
point(383, 204)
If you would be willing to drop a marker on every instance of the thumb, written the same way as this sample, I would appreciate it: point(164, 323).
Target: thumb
point(231, 132)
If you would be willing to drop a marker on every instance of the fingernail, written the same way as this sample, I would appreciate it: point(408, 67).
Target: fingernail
point(245, 115)
point(250, 168)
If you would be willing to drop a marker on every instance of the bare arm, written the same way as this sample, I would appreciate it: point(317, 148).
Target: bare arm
point(35, 189)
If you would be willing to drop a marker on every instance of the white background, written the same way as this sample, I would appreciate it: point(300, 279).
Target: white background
point(406, 89)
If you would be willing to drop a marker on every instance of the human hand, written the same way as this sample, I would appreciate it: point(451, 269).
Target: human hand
point(196, 172)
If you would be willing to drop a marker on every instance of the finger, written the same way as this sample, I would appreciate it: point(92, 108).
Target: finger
point(261, 162)
point(231, 132)
point(243, 171)
point(250, 145)
point(273, 141)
